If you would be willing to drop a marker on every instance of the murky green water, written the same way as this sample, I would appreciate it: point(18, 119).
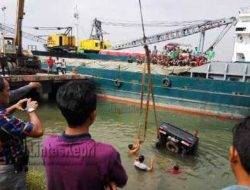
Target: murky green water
point(116, 124)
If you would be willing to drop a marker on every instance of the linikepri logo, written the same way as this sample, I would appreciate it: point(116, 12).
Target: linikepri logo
point(36, 150)
point(69, 151)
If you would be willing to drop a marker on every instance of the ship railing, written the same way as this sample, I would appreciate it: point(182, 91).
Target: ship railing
point(225, 72)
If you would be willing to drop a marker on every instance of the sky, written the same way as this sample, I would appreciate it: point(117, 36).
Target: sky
point(59, 13)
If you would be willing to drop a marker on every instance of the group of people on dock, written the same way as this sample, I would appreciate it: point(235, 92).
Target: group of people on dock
point(74, 160)
point(175, 56)
point(59, 64)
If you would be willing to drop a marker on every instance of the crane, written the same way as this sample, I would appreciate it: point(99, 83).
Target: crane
point(95, 43)
point(24, 34)
point(68, 29)
point(19, 20)
point(16, 58)
point(182, 32)
point(60, 42)
point(97, 25)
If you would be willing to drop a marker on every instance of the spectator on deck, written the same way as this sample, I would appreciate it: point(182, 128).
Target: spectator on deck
point(130, 59)
point(50, 63)
point(202, 61)
point(239, 155)
point(164, 52)
point(155, 51)
point(64, 66)
point(81, 162)
point(139, 60)
point(196, 52)
point(154, 60)
point(210, 54)
point(58, 65)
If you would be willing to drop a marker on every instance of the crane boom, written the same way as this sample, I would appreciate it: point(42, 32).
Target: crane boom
point(19, 20)
point(25, 34)
point(68, 29)
point(178, 33)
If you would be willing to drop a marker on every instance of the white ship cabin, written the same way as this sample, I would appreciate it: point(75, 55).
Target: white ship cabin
point(223, 71)
point(242, 37)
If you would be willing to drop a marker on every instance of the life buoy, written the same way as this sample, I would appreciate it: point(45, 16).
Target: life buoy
point(166, 82)
point(117, 83)
point(172, 147)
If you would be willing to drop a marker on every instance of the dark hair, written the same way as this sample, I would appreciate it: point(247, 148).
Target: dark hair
point(130, 146)
point(241, 142)
point(141, 158)
point(1, 84)
point(176, 167)
point(76, 100)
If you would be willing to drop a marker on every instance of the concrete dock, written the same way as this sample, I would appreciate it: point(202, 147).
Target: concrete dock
point(50, 82)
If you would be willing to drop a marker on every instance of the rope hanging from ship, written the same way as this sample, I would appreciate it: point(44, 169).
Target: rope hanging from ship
point(149, 89)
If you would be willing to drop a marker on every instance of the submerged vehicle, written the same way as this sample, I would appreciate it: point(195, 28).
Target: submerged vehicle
point(177, 140)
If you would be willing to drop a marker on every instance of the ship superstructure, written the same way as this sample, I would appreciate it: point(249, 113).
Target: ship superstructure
point(242, 38)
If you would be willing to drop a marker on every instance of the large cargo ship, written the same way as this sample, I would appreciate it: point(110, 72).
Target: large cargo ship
point(215, 89)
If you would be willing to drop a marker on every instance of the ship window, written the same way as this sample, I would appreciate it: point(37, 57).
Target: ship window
point(96, 44)
point(241, 29)
point(231, 78)
point(240, 37)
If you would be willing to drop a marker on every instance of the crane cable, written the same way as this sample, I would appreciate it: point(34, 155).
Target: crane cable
point(141, 103)
point(150, 84)
point(221, 35)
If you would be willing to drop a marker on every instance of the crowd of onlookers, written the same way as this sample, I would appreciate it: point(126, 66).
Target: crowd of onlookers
point(175, 56)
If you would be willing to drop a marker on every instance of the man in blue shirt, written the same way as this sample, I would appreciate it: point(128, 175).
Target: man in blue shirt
point(196, 52)
point(239, 155)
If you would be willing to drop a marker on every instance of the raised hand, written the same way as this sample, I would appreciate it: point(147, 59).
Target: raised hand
point(19, 104)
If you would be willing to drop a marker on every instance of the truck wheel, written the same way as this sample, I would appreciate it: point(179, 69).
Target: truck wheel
point(172, 147)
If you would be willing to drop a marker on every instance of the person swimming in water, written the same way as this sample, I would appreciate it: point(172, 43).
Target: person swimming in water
point(134, 148)
point(174, 170)
point(138, 163)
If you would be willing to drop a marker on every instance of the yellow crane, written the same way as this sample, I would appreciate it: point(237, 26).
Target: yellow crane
point(95, 43)
point(60, 42)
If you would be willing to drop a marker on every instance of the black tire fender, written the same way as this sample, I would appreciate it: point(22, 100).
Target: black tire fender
point(166, 82)
point(117, 83)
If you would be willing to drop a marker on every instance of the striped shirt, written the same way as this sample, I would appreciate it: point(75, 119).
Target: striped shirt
point(12, 132)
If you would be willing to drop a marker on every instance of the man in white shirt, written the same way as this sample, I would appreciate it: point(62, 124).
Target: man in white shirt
point(138, 163)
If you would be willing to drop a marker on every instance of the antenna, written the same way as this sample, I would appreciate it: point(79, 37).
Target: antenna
point(3, 8)
point(76, 17)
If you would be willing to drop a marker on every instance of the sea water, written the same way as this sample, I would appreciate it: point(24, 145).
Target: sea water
point(117, 124)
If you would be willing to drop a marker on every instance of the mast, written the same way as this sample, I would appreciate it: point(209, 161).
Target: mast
point(76, 16)
point(19, 20)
